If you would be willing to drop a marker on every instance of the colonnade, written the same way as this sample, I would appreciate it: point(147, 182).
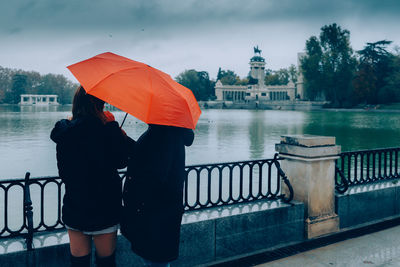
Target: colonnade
point(39, 99)
point(233, 95)
point(237, 96)
point(282, 95)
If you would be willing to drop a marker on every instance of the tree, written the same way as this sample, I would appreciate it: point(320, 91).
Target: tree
point(5, 83)
point(293, 73)
point(33, 81)
point(55, 84)
point(244, 81)
point(376, 64)
point(279, 77)
point(390, 92)
point(338, 63)
point(311, 66)
point(364, 85)
point(199, 82)
point(19, 85)
point(227, 77)
point(219, 75)
point(329, 65)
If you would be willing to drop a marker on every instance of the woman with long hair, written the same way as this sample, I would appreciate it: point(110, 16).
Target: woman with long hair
point(90, 149)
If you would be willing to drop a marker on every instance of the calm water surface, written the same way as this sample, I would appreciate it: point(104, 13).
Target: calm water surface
point(220, 136)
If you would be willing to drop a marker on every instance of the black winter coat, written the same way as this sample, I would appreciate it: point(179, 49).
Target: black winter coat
point(88, 156)
point(153, 192)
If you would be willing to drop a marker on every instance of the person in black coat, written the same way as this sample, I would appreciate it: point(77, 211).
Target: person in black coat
point(90, 149)
point(153, 193)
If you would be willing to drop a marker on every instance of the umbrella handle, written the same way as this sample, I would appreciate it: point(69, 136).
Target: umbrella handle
point(126, 114)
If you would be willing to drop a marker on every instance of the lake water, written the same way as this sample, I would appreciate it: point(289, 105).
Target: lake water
point(220, 136)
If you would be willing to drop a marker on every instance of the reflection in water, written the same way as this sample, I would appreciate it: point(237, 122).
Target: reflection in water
point(256, 135)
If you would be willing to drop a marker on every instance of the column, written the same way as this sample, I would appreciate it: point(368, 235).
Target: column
point(309, 163)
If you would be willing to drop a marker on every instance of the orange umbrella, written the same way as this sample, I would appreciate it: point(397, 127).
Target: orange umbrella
point(138, 89)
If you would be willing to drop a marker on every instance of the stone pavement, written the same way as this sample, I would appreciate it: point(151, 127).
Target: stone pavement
point(377, 249)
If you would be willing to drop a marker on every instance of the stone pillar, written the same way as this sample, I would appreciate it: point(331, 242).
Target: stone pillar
point(309, 163)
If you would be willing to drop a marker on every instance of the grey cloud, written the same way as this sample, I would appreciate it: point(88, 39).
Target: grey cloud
point(164, 15)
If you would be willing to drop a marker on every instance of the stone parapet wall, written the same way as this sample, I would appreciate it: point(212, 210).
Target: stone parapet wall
point(217, 234)
point(368, 203)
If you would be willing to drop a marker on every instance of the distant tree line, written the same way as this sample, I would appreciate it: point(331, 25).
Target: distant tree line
point(282, 76)
point(13, 83)
point(333, 71)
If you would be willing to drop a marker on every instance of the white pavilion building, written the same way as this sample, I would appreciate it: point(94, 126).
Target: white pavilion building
point(39, 99)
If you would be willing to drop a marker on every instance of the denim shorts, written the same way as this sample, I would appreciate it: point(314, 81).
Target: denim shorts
point(107, 230)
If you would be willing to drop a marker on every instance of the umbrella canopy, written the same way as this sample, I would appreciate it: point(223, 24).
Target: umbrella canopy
point(138, 89)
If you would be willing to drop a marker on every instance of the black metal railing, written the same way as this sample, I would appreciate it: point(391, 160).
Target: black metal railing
point(366, 166)
point(218, 184)
point(34, 204)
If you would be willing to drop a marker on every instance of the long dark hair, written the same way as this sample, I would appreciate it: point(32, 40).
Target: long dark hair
point(86, 105)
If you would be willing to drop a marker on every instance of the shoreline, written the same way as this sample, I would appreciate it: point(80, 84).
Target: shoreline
point(310, 106)
point(295, 105)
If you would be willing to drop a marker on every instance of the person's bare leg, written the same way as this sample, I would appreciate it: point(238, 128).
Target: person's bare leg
point(105, 244)
point(105, 249)
point(79, 243)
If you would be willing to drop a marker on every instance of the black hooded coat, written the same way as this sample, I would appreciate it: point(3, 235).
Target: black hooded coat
point(88, 156)
point(153, 192)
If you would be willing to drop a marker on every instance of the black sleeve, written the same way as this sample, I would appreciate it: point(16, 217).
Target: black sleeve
point(188, 137)
point(118, 145)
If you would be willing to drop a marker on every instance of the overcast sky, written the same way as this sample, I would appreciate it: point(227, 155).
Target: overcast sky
point(48, 35)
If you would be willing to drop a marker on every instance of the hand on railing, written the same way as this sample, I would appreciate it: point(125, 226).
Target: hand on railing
point(285, 180)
